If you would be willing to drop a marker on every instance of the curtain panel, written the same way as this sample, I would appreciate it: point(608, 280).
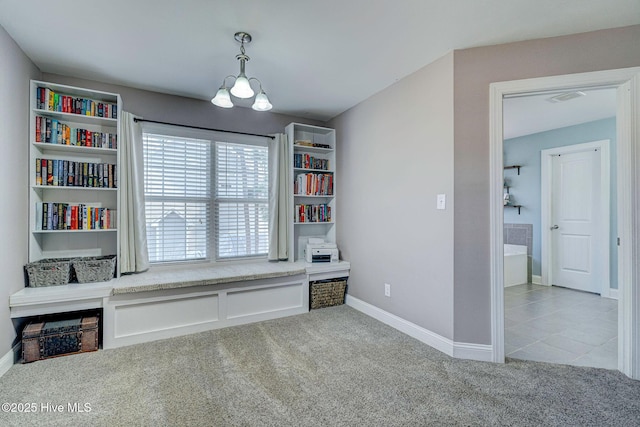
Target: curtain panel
point(134, 257)
point(279, 190)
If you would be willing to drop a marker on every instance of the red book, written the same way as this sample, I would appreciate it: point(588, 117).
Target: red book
point(96, 218)
point(38, 129)
point(88, 138)
point(74, 217)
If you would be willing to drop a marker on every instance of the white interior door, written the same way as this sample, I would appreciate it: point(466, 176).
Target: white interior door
point(575, 224)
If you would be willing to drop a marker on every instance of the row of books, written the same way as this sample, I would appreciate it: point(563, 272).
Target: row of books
point(313, 213)
point(313, 184)
point(47, 99)
point(52, 131)
point(66, 216)
point(67, 173)
point(306, 161)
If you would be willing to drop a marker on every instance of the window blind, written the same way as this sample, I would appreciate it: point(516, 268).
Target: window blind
point(241, 200)
point(177, 185)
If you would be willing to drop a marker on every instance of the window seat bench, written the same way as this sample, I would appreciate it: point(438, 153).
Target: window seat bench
point(203, 276)
point(163, 303)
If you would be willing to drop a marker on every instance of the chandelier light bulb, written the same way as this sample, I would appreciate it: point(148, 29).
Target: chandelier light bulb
point(222, 98)
point(242, 88)
point(262, 102)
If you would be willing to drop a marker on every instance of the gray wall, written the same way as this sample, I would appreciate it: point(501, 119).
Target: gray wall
point(394, 155)
point(474, 70)
point(526, 191)
point(188, 111)
point(15, 72)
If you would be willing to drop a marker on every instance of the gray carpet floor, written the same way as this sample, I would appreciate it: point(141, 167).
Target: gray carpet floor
point(331, 367)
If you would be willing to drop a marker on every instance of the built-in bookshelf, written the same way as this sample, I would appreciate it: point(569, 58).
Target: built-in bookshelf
point(312, 175)
point(73, 172)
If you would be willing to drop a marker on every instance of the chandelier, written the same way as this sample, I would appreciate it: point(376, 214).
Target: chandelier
point(242, 84)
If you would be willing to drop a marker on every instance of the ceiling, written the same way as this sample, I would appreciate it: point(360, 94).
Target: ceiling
point(315, 58)
point(530, 114)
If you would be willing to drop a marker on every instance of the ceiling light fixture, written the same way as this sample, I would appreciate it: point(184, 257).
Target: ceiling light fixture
point(566, 96)
point(242, 85)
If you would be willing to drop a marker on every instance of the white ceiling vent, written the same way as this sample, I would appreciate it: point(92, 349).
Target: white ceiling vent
point(566, 96)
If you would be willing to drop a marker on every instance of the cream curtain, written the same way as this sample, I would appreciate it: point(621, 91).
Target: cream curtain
point(279, 190)
point(134, 256)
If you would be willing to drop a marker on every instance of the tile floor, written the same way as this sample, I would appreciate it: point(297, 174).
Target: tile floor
point(559, 325)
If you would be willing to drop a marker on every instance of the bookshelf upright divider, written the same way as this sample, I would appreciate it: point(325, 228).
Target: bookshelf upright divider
point(73, 172)
point(312, 174)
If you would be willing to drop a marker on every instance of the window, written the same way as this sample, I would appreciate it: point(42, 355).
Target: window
point(177, 189)
point(206, 195)
point(242, 200)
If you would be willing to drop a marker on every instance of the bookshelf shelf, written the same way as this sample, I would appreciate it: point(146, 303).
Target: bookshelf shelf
point(314, 196)
point(314, 223)
point(104, 230)
point(304, 148)
point(77, 118)
point(312, 170)
point(63, 148)
point(81, 165)
point(61, 187)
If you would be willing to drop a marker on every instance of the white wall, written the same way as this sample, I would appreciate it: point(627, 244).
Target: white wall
point(15, 72)
point(394, 155)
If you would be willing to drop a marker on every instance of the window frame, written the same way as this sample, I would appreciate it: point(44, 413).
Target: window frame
point(212, 137)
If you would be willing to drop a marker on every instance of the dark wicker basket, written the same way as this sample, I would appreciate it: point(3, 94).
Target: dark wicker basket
point(327, 293)
point(94, 269)
point(48, 272)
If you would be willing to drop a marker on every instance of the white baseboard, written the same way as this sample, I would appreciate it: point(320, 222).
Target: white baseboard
point(610, 293)
point(459, 350)
point(7, 361)
point(481, 352)
point(536, 280)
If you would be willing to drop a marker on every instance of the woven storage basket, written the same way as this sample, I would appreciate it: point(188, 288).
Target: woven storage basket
point(327, 293)
point(94, 269)
point(48, 272)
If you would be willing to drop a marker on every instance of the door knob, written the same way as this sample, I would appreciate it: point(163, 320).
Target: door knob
point(555, 227)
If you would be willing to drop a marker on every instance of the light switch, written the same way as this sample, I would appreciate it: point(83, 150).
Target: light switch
point(442, 199)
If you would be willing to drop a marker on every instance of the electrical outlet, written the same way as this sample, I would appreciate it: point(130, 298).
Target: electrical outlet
point(387, 290)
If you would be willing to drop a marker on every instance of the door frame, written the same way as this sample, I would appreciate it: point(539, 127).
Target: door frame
point(627, 80)
point(546, 158)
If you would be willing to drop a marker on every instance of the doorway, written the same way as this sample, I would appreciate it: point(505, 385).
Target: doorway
point(564, 174)
point(626, 81)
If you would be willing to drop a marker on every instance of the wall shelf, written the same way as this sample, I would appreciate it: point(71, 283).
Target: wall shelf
point(514, 206)
point(513, 167)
